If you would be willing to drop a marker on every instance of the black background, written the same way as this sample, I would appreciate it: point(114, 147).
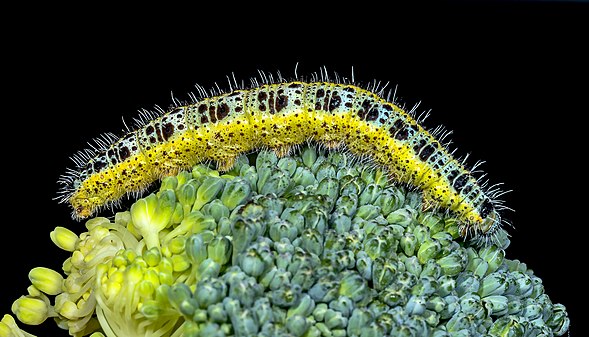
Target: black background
point(509, 78)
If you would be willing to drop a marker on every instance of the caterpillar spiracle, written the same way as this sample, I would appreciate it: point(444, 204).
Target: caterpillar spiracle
point(280, 115)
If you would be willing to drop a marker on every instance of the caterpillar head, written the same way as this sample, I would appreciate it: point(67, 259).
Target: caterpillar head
point(490, 216)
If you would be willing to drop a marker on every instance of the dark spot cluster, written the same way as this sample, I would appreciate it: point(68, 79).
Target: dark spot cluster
point(274, 101)
point(402, 131)
point(368, 110)
point(328, 100)
point(486, 208)
point(212, 112)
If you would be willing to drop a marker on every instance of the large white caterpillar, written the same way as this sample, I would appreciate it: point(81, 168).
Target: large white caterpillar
point(279, 116)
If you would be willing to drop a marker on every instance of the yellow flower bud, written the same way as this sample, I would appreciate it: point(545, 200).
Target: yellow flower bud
point(47, 280)
point(64, 238)
point(30, 310)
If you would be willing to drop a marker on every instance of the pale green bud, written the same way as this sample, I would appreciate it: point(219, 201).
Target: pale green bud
point(210, 291)
point(403, 216)
point(207, 191)
point(452, 264)
point(297, 325)
point(64, 238)
point(493, 284)
point(152, 214)
point(47, 280)
point(493, 256)
point(369, 194)
point(507, 326)
point(428, 250)
point(496, 304)
point(303, 177)
point(235, 193)
point(219, 250)
point(309, 156)
point(32, 311)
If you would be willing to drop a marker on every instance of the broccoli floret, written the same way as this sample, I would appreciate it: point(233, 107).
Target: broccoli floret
point(314, 244)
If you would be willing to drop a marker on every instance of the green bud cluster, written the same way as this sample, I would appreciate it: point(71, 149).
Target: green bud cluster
point(310, 245)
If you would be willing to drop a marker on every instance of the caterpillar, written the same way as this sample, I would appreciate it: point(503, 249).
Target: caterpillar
point(280, 115)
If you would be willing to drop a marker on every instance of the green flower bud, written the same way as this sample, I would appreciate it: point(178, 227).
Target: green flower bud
point(376, 246)
point(416, 305)
point(32, 311)
point(360, 318)
point(216, 209)
point(186, 194)
point(347, 204)
point(208, 268)
point(432, 221)
point(288, 164)
point(286, 296)
point(412, 265)
point(169, 183)
point(369, 194)
point(277, 182)
point(64, 238)
point(303, 177)
point(309, 156)
point(207, 191)
point(478, 267)
point(210, 291)
point(559, 321)
point(283, 229)
point(350, 185)
point(364, 265)
point(435, 303)
point(452, 306)
point(216, 312)
point(304, 307)
point(452, 264)
point(523, 283)
point(394, 296)
point(312, 241)
point(493, 284)
point(384, 272)
point(196, 249)
point(421, 233)
point(266, 159)
point(467, 283)
point(507, 326)
point(244, 323)
point(428, 250)
point(446, 284)
point(297, 325)
point(47, 280)
point(324, 290)
point(334, 320)
point(496, 304)
point(325, 170)
point(235, 193)
point(458, 322)
point(251, 262)
point(493, 256)
point(355, 287)
point(471, 304)
point(408, 243)
point(341, 223)
point(373, 330)
point(368, 212)
point(219, 250)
